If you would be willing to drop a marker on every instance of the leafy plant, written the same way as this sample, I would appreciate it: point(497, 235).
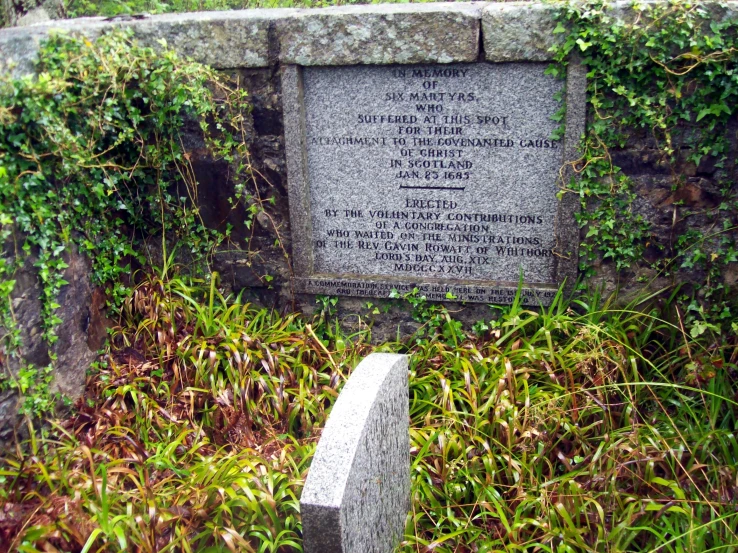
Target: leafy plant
point(434, 318)
point(660, 76)
point(573, 428)
point(92, 156)
point(196, 433)
point(578, 427)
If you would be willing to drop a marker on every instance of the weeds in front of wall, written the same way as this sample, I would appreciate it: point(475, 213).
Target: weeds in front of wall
point(93, 158)
point(435, 319)
point(195, 432)
point(577, 427)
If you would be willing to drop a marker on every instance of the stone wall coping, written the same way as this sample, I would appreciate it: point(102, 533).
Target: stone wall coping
point(474, 8)
point(366, 34)
point(442, 32)
point(382, 34)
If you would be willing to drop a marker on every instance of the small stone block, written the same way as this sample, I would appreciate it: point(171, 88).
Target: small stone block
point(223, 40)
point(357, 493)
point(519, 31)
point(381, 35)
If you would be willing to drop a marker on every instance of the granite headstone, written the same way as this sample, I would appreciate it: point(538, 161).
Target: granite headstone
point(357, 494)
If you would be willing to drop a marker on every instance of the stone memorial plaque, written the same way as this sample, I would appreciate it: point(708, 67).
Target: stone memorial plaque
point(441, 177)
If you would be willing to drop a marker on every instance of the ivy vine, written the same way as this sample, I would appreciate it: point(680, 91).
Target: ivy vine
point(666, 74)
point(92, 155)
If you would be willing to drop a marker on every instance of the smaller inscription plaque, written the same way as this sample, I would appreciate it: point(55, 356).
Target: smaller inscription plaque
point(440, 177)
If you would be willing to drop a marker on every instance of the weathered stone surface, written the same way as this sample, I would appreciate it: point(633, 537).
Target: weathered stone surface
point(629, 12)
point(381, 34)
point(19, 48)
point(36, 15)
point(224, 40)
point(442, 177)
point(440, 33)
point(357, 493)
point(518, 31)
point(567, 230)
point(79, 336)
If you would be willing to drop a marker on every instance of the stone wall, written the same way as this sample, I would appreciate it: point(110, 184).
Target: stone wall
point(254, 45)
point(83, 333)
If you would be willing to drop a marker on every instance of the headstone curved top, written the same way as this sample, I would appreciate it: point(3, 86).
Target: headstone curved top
point(357, 492)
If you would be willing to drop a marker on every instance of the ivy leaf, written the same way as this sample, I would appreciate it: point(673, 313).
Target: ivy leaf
point(703, 113)
point(713, 109)
point(583, 45)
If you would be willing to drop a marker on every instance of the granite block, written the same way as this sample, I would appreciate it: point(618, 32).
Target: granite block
point(567, 230)
point(441, 177)
point(357, 494)
point(293, 109)
point(19, 45)
point(518, 31)
point(223, 40)
point(443, 33)
point(381, 34)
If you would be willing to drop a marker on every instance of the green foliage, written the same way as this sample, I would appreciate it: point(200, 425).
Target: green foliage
point(328, 306)
point(325, 323)
point(196, 435)
point(34, 386)
point(574, 428)
point(665, 76)
point(91, 154)
point(577, 428)
point(435, 320)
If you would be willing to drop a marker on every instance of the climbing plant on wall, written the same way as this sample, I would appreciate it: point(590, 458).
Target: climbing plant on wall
point(666, 75)
point(92, 157)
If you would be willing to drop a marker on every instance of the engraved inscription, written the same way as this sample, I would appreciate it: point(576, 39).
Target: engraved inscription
point(433, 292)
point(437, 172)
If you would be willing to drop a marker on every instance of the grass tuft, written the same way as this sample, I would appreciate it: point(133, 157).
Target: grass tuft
point(578, 427)
point(194, 434)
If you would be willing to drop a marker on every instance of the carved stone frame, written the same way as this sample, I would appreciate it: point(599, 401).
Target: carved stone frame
point(306, 280)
